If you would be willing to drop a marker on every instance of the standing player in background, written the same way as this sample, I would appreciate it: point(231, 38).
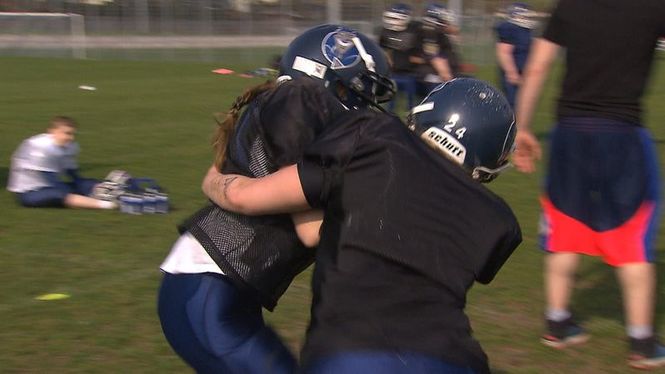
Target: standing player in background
point(512, 47)
point(407, 230)
point(44, 170)
point(451, 25)
point(601, 192)
point(399, 39)
point(225, 266)
point(438, 59)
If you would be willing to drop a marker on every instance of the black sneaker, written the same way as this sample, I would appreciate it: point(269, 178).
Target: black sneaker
point(563, 334)
point(646, 353)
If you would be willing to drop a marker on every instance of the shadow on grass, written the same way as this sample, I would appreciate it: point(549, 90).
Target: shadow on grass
point(598, 294)
point(4, 176)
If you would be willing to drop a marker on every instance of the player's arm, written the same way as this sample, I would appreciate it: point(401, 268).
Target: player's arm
point(442, 67)
point(539, 63)
point(280, 192)
point(308, 226)
point(415, 59)
point(275, 193)
point(504, 55)
point(537, 69)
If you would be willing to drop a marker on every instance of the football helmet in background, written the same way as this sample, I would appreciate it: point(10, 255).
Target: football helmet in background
point(108, 191)
point(397, 17)
point(438, 15)
point(519, 14)
point(469, 122)
point(114, 185)
point(118, 176)
point(340, 56)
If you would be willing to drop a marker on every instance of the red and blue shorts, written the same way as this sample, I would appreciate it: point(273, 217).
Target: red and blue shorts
point(601, 191)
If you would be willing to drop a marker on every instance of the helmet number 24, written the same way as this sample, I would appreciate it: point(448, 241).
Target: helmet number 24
point(450, 126)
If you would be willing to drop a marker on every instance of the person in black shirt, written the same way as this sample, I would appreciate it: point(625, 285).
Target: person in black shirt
point(601, 193)
point(399, 38)
point(406, 230)
point(226, 266)
point(438, 60)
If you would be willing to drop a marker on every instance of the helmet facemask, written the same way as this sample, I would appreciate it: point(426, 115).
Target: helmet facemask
point(395, 21)
point(397, 18)
point(348, 63)
point(367, 86)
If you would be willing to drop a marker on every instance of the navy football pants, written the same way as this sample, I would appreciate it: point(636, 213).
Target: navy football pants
point(382, 362)
point(216, 328)
point(55, 196)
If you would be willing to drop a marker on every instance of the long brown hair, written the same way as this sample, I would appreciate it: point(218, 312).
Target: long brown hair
point(226, 127)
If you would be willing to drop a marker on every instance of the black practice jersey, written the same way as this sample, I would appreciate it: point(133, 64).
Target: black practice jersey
point(406, 233)
point(400, 46)
point(263, 254)
point(435, 43)
point(610, 48)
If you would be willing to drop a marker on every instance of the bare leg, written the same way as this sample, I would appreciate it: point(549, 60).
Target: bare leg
point(638, 284)
point(85, 202)
point(562, 331)
point(560, 271)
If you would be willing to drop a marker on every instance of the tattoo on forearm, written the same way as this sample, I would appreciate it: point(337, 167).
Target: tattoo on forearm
point(227, 183)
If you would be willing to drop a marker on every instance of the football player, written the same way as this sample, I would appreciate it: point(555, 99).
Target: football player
point(512, 47)
point(407, 229)
point(44, 170)
point(225, 267)
point(399, 39)
point(438, 59)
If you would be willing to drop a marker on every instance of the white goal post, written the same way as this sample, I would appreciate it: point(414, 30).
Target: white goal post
point(43, 31)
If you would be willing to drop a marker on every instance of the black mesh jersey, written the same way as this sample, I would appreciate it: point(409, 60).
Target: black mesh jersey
point(399, 46)
point(610, 48)
point(406, 233)
point(263, 254)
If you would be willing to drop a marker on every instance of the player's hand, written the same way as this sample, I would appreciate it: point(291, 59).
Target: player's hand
point(513, 78)
point(217, 187)
point(527, 151)
point(210, 180)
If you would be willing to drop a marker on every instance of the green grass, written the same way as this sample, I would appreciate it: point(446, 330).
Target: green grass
point(155, 119)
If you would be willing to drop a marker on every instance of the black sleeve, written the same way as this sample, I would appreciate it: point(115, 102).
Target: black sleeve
point(504, 248)
point(555, 29)
point(324, 161)
point(508, 238)
point(293, 115)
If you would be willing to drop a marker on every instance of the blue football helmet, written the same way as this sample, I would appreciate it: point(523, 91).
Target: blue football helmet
point(397, 17)
point(438, 15)
point(469, 122)
point(520, 15)
point(339, 56)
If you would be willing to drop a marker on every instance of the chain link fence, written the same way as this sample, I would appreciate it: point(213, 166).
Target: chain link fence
point(203, 29)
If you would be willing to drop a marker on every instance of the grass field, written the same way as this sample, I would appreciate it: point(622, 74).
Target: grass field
point(155, 119)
